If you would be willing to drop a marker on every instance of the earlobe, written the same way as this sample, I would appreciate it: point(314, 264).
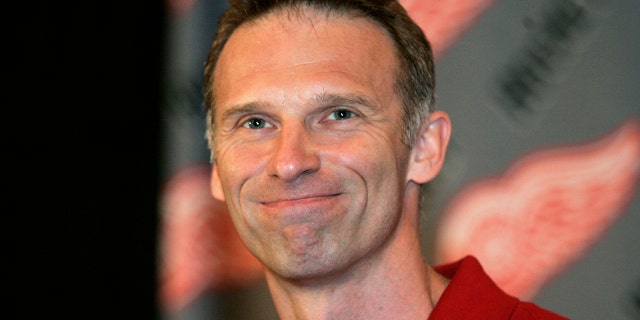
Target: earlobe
point(216, 185)
point(429, 150)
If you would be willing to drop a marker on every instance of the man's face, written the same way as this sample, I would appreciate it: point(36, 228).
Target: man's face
point(309, 155)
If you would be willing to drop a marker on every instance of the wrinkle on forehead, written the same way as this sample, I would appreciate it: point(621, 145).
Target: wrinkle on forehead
point(303, 63)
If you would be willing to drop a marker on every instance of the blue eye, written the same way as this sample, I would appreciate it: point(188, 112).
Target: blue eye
point(255, 123)
point(341, 114)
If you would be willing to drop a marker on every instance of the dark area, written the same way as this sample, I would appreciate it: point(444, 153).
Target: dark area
point(86, 141)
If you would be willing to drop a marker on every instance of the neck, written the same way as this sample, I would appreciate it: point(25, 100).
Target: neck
point(392, 283)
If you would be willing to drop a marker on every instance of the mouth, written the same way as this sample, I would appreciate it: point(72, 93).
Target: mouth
point(300, 201)
point(315, 209)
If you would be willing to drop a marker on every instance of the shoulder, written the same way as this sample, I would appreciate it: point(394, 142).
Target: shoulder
point(472, 294)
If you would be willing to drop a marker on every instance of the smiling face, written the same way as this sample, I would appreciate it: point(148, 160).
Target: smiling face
point(308, 141)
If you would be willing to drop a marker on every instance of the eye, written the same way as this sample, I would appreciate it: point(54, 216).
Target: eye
point(256, 123)
point(341, 114)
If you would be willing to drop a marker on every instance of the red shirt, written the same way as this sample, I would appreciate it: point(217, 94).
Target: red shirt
point(471, 294)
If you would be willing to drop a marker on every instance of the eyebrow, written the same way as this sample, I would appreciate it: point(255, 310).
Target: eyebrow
point(343, 99)
point(241, 109)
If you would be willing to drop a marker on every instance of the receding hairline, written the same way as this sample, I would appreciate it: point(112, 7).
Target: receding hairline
point(304, 10)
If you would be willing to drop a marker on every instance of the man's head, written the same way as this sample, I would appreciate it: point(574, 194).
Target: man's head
point(311, 153)
point(415, 80)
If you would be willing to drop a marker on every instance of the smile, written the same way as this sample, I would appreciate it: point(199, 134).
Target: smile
point(301, 201)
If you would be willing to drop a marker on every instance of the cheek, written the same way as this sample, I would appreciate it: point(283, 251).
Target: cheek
point(380, 168)
point(236, 164)
point(378, 159)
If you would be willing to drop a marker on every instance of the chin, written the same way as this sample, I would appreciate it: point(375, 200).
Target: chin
point(311, 268)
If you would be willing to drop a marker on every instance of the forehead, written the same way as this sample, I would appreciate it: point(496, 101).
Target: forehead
point(290, 40)
point(281, 22)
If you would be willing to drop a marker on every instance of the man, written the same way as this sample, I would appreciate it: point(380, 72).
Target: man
point(322, 127)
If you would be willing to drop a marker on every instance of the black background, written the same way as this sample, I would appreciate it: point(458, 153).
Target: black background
point(84, 134)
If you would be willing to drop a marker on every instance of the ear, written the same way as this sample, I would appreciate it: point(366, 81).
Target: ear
point(216, 184)
point(428, 152)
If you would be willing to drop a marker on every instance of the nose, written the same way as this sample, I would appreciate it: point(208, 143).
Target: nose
point(295, 154)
